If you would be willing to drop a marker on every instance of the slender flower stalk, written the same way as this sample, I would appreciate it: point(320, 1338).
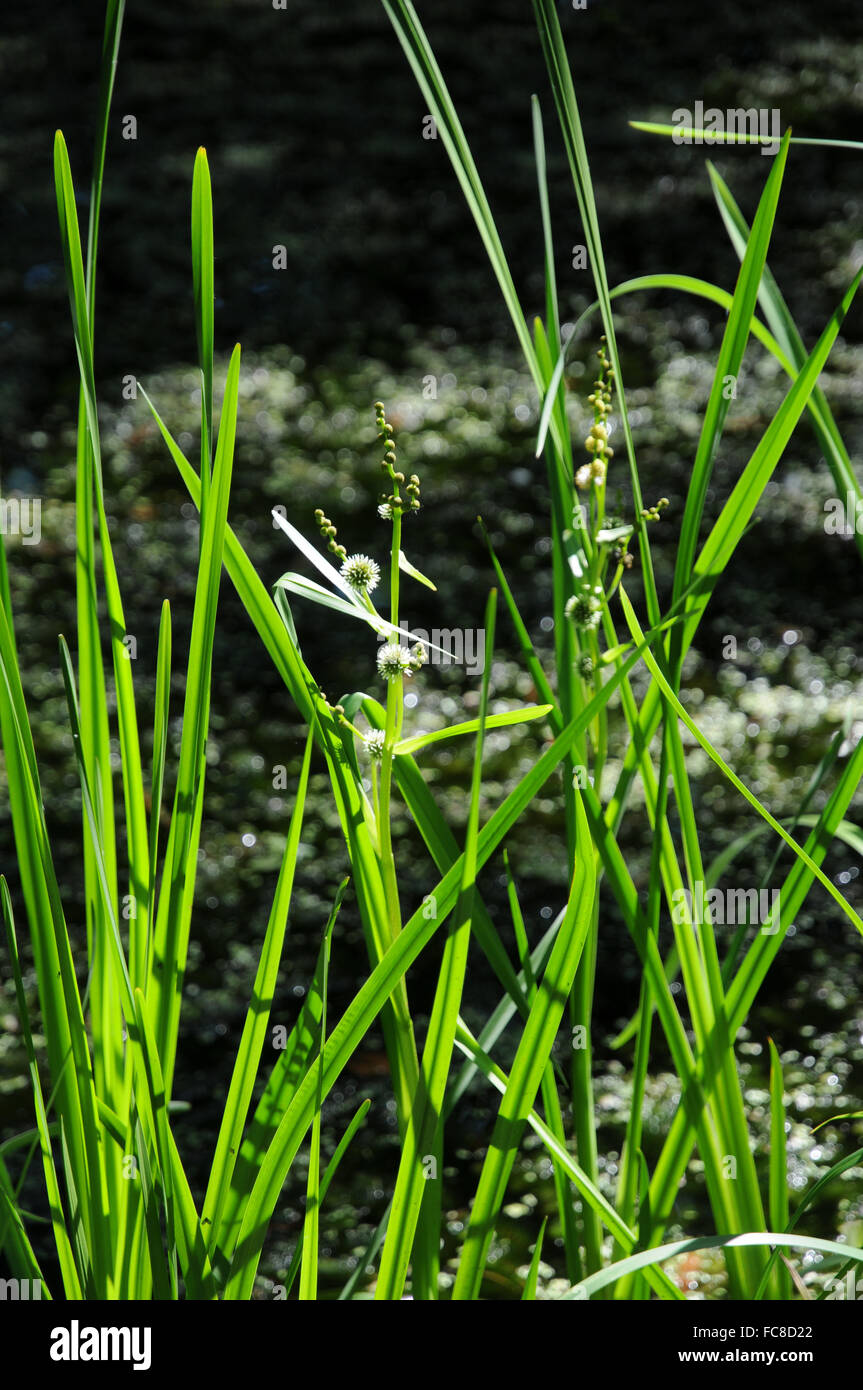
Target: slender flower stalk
point(395, 682)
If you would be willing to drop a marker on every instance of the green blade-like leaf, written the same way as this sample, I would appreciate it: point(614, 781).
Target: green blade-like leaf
point(560, 76)
point(531, 1059)
point(202, 280)
point(308, 589)
point(418, 52)
point(686, 134)
point(184, 1229)
point(784, 329)
point(529, 1294)
point(737, 512)
point(423, 1131)
point(160, 747)
point(14, 1240)
point(634, 628)
point(331, 1169)
point(728, 366)
point(257, 1020)
point(644, 1259)
point(62, 1012)
point(407, 568)
point(778, 1152)
point(71, 1283)
point(309, 1262)
point(172, 924)
point(626, 1237)
point(470, 726)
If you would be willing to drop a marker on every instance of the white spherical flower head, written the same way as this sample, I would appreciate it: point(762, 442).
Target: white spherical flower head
point(361, 573)
point(585, 609)
point(374, 743)
point(393, 661)
point(385, 511)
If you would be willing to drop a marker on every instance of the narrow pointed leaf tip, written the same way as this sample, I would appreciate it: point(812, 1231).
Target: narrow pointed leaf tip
point(323, 566)
point(408, 568)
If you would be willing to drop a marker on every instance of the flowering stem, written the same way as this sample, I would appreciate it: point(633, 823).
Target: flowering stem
point(392, 729)
point(376, 805)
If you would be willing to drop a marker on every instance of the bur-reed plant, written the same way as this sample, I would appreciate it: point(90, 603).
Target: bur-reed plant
point(719, 994)
point(125, 1221)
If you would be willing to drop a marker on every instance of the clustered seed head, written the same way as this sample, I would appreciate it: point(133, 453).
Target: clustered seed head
point(621, 556)
point(653, 513)
point(586, 666)
point(328, 531)
point(393, 503)
point(413, 491)
point(361, 573)
point(585, 609)
point(596, 443)
point(374, 744)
